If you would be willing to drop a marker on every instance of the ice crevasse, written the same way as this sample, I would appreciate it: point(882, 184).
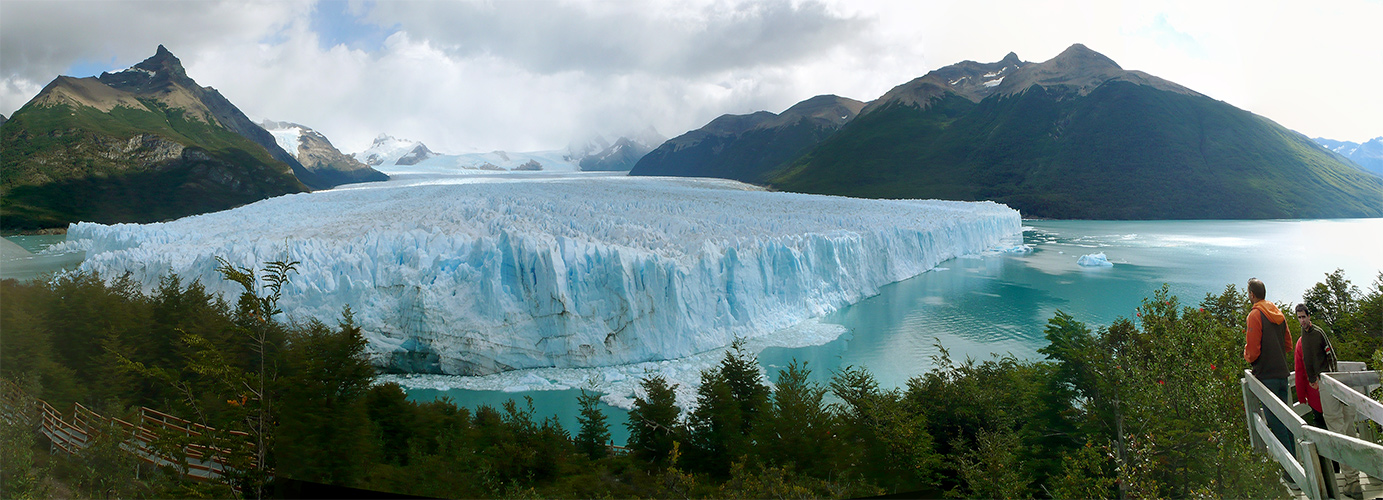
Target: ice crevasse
point(475, 277)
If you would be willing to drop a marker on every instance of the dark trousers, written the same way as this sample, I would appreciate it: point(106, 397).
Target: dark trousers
point(1279, 388)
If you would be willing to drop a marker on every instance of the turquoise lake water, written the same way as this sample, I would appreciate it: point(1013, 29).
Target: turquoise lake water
point(31, 263)
point(1000, 302)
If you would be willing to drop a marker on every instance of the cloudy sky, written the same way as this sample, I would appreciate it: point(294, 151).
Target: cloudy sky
point(537, 74)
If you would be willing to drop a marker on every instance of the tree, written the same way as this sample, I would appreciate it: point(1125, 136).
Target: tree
point(393, 420)
point(653, 421)
point(715, 428)
point(1164, 396)
point(227, 386)
point(799, 432)
point(322, 426)
point(1353, 318)
point(887, 436)
point(730, 402)
point(1332, 300)
point(595, 432)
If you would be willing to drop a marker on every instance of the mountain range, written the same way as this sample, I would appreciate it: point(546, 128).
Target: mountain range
point(1368, 155)
point(140, 145)
point(388, 150)
point(594, 154)
point(1073, 137)
point(600, 155)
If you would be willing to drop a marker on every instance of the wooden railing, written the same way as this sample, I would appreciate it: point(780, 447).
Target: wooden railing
point(147, 439)
point(1303, 463)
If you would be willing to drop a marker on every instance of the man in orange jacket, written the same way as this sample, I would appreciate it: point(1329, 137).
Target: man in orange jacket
point(1268, 349)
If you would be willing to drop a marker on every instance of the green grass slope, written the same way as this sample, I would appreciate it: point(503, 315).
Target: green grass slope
point(1124, 151)
point(62, 164)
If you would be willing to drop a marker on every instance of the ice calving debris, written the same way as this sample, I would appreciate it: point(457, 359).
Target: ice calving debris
point(1094, 260)
point(619, 384)
point(1019, 249)
point(494, 274)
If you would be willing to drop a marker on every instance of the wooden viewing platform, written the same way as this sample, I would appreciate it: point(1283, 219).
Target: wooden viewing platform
point(71, 435)
point(1350, 386)
point(147, 439)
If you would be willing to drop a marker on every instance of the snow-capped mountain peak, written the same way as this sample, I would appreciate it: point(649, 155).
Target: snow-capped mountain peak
point(325, 165)
point(387, 150)
point(1368, 155)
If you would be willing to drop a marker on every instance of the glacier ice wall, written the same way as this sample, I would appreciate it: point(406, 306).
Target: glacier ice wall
point(473, 276)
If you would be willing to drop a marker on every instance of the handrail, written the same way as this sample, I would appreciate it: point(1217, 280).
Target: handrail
point(75, 435)
point(1311, 443)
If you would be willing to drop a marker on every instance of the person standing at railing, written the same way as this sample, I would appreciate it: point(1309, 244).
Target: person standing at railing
point(1312, 358)
point(1315, 354)
point(1267, 347)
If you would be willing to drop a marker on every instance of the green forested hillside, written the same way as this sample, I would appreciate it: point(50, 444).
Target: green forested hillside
point(1124, 151)
point(68, 163)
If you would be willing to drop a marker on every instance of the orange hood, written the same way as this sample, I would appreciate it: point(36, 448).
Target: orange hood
point(1270, 311)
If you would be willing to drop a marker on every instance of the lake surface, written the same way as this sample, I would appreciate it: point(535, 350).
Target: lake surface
point(1000, 302)
point(22, 257)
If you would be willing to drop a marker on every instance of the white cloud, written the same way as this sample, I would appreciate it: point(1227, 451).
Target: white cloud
point(536, 74)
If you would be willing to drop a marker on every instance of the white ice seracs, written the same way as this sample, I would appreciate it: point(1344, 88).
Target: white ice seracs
point(480, 275)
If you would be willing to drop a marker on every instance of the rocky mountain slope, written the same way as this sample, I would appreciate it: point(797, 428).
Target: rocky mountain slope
point(144, 144)
point(749, 147)
point(325, 165)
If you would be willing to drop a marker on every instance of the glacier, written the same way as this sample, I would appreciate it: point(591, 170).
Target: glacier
point(476, 275)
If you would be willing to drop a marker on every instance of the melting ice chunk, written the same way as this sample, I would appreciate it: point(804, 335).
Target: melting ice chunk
point(1094, 260)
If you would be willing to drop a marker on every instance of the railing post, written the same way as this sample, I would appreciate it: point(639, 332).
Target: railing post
point(1251, 406)
point(1316, 486)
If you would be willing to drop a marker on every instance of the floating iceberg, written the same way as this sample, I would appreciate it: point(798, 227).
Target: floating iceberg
point(479, 275)
point(1094, 260)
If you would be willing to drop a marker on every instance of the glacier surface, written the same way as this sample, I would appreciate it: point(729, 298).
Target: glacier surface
point(474, 275)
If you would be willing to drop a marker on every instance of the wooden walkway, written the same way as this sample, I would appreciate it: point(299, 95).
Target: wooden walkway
point(1373, 489)
point(148, 439)
point(1312, 443)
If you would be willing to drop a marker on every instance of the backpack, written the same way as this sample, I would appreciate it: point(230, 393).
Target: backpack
point(1331, 362)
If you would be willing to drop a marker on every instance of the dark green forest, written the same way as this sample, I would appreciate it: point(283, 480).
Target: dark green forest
point(1149, 406)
